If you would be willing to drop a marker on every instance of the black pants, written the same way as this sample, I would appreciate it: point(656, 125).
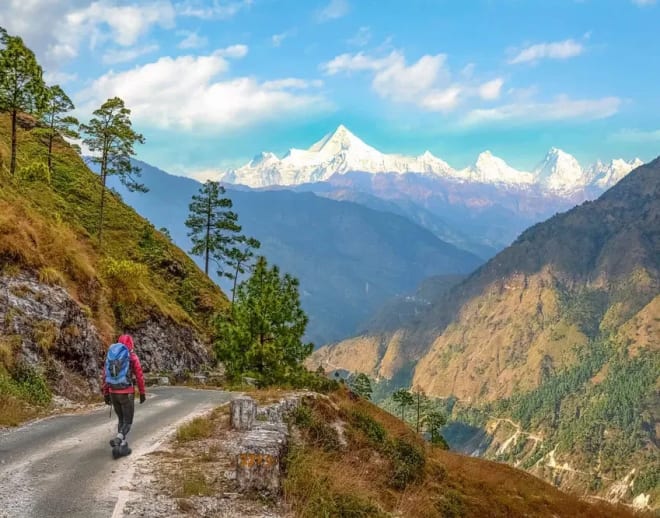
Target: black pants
point(124, 405)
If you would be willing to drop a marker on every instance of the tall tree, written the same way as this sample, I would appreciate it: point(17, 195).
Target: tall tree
point(361, 385)
point(238, 259)
point(404, 399)
point(434, 422)
point(213, 227)
point(421, 403)
point(55, 120)
point(111, 139)
point(22, 87)
point(263, 337)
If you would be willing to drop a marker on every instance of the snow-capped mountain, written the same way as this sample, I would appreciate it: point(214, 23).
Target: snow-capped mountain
point(337, 153)
point(490, 169)
point(342, 152)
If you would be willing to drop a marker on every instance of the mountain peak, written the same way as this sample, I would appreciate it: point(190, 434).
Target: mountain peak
point(339, 140)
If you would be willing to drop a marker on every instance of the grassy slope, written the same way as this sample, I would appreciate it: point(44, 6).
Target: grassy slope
point(325, 479)
point(48, 227)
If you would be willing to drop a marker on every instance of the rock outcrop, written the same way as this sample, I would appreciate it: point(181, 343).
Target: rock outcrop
point(48, 330)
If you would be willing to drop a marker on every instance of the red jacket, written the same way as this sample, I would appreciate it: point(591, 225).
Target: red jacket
point(136, 369)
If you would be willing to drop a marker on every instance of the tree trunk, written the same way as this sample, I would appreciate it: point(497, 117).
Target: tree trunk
point(208, 238)
point(104, 174)
point(12, 166)
point(101, 210)
point(233, 290)
point(50, 153)
point(51, 136)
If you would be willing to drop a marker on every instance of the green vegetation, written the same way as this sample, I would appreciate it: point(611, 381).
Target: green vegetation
point(404, 399)
point(55, 122)
point(360, 384)
point(22, 88)
point(263, 336)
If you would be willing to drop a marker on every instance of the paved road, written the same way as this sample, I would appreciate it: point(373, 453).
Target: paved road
point(63, 467)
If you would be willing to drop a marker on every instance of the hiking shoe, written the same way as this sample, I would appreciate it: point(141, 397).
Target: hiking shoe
point(115, 452)
point(115, 442)
point(124, 450)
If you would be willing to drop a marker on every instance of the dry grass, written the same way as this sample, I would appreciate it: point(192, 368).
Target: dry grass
point(319, 481)
point(195, 483)
point(198, 428)
point(15, 411)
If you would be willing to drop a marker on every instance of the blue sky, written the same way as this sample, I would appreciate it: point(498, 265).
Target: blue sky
point(211, 83)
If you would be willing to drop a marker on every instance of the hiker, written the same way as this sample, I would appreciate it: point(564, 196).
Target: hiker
point(121, 365)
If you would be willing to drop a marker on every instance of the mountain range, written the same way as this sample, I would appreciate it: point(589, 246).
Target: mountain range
point(341, 152)
point(549, 350)
point(348, 257)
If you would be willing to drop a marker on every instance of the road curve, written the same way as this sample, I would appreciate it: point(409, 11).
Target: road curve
point(63, 467)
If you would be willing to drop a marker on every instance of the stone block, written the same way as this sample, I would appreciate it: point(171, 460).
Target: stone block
point(259, 460)
point(243, 413)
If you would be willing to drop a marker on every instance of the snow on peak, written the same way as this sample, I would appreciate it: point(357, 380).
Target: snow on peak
point(607, 175)
point(491, 169)
point(561, 173)
point(342, 152)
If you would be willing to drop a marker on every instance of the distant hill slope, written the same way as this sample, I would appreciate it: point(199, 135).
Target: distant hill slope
point(349, 258)
point(64, 298)
point(560, 334)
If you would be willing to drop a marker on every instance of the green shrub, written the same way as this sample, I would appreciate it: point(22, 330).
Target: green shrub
point(647, 480)
point(374, 431)
point(319, 433)
point(408, 462)
point(30, 385)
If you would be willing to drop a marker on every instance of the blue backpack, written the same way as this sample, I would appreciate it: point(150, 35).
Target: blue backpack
point(117, 367)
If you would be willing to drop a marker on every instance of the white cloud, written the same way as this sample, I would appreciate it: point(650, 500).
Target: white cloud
point(187, 93)
point(233, 51)
point(59, 78)
point(562, 108)
point(426, 83)
point(491, 89)
point(216, 10)
point(114, 56)
point(191, 40)
point(335, 9)
point(555, 50)
point(56, 30)
point(643, 3)
point(361, 37)
point(277, 39)
point(637, 135)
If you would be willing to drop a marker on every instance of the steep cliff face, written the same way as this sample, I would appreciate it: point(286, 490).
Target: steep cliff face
point(44, 327)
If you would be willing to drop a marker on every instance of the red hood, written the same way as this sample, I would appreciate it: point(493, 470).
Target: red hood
point(127, 340)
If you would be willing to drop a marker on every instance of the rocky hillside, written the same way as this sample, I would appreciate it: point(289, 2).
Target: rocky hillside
point(559, 333)
point(64, 298)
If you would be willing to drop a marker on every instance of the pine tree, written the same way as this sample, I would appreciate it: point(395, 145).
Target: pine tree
point(55, 121)
point(263, 337)
point(238, 259)
point(404, 399)
point(22, 88)
point(361, 385)
point(111, 137)
point(213, 227)
point(434, 422)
